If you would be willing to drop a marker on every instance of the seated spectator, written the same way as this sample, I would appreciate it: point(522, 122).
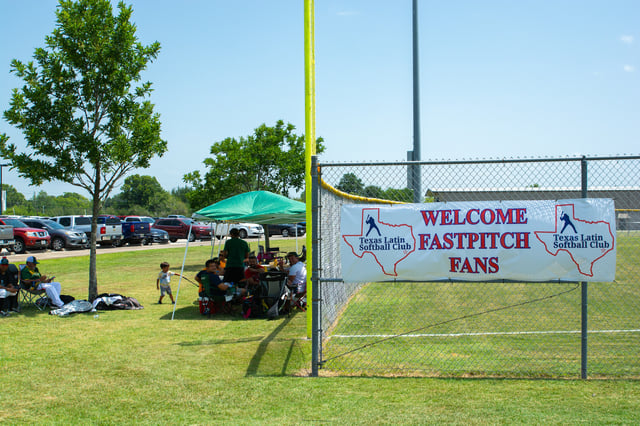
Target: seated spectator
point(219, 269)
point(8, 289)
point(30, 276)
point(212, 285)
point(222, 261)
point(252, 273)
point(297, 274)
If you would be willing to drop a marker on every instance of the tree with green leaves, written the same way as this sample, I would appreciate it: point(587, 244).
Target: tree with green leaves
point(85, 116)
point(271, 159)
point(14, 198)
point(70, 203)
point(351, 184)
point(143, 195)
point(180, 194)
point(373, 191)
point(141, 190)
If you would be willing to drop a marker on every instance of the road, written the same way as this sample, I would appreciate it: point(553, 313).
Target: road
point(50, 254)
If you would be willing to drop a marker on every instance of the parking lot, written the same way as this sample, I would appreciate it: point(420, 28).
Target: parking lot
point(51, 254)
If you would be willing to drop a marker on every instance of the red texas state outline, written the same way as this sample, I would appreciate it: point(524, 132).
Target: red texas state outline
point(590, 274)
point(395, 274)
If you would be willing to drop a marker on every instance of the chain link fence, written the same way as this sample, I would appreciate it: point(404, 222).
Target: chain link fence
point(484, 329)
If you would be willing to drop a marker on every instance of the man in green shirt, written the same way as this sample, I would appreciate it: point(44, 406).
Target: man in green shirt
point(236, 251)
point(31, 276)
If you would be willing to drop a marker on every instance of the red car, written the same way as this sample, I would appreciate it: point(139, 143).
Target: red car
point(179, 228)
point(27, 238)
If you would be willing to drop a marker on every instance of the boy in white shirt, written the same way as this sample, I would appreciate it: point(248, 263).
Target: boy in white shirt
point(163, 283)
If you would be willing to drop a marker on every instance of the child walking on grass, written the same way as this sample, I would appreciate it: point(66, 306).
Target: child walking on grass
point(163, 283)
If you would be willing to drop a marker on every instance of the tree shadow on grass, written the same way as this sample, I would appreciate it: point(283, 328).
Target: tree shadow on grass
point(221, 341)
point(254, 364)
point(30, 311)
point(261, 350)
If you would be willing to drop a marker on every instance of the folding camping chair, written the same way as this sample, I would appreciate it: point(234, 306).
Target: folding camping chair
point(272, 283)
point(209, 304)
point(30, 295)
point(274, 291)
point(297, 300)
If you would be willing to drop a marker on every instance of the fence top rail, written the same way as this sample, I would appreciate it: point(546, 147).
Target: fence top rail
point(451, 280)
point(482, 161)
point(536, 189)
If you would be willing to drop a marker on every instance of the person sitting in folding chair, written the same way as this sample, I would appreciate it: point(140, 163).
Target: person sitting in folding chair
point(219, 269)
point(213, 288)
point(8, 289)
point(297, 280)
point(252, 274)
point(31, 276)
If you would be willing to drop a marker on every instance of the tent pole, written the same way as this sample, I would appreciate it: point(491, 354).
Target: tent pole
point(184, 260)
point(213, 236)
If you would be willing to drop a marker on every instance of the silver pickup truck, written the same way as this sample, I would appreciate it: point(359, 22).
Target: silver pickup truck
point(6, 237)
point(109, 229)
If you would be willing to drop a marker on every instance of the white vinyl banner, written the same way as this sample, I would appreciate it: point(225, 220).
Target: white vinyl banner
point(566, 240)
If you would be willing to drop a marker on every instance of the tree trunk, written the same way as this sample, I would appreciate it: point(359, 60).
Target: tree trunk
point(93, 270)
point(267, 242)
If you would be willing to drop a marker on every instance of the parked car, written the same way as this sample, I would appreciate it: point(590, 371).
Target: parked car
point(76, 222)
point(61, 237)
point(147, 219)
point(109, 229)
point(26, 238)
point(6, 237)
point(157, 235)
point(245, 229)
point(179, 228)
point(135, 232)
point(286, 230)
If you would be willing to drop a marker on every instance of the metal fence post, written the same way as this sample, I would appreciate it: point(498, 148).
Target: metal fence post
point(315, 310)
point(584, 317)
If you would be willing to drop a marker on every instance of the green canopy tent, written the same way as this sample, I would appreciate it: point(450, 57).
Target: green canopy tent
point(261, 207)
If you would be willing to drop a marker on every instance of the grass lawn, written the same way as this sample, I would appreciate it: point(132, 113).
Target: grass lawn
point(142, 367)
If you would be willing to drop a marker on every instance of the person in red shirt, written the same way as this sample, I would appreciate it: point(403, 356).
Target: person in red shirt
point(252, 273)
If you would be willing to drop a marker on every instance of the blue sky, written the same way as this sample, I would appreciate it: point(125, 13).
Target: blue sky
point(498, 78)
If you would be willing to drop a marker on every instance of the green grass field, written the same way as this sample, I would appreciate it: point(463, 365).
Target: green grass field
point(490, 329)
point(140, 367)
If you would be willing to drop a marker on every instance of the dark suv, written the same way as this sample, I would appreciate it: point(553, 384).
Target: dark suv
point(287, 230)
point(179, 228)
point(61, 237)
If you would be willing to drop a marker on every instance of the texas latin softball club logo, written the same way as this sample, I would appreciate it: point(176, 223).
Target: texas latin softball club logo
point(584, 241)
point(387, 243)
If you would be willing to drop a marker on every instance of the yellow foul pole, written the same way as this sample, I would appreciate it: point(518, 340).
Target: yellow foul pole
point(310, 135)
